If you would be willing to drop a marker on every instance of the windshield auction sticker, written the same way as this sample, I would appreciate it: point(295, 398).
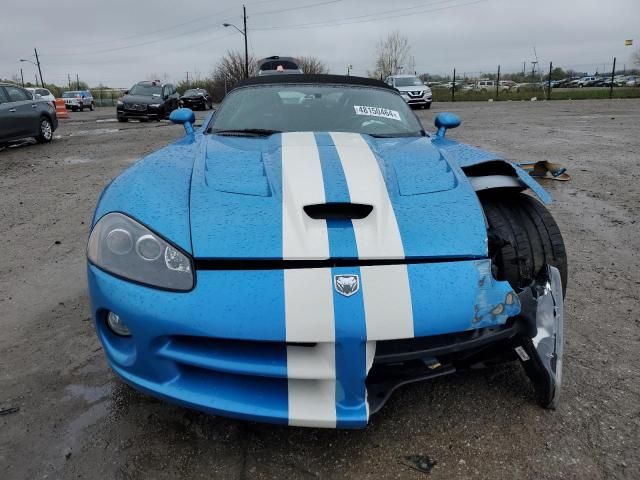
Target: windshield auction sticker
point(376, 112)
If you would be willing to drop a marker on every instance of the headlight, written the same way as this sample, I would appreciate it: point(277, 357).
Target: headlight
point(124, 247)
point(154, 105)
point(119, 102)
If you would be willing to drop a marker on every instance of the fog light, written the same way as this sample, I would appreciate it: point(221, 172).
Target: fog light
point(117, 326)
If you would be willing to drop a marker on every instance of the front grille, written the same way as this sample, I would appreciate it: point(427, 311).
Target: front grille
point(135, 106)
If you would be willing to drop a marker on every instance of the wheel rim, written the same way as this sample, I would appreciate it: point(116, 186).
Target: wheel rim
point(45, 129)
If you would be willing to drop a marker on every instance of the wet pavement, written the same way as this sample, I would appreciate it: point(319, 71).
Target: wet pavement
point(63, 414)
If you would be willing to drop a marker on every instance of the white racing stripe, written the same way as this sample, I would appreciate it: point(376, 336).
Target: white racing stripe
point(386, 289)
point(308, 292)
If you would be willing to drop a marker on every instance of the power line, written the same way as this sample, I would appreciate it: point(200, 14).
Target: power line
point(182, 34)
point(301, 7)
point(366, 18)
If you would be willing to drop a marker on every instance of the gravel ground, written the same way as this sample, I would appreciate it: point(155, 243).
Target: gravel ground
point(75, 420)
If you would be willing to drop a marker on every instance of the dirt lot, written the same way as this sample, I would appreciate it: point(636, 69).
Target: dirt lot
point(75, 420)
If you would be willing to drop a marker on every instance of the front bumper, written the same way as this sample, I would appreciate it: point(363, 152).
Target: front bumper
point(148, 112)
point(194, 103)
point(226, 347)
point(423, 100)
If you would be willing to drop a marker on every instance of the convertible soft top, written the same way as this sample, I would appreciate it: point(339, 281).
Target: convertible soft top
point(316, 78)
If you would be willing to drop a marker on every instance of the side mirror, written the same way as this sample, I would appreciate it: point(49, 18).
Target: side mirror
point(184, 117)
point(444, 121)
point(126, 92)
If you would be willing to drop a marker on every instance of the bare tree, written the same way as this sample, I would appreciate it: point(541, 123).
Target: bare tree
point(311, 64)
point(392, 55)
point(231, 67)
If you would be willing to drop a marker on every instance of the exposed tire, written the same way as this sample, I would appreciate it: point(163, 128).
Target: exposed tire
point(428, 106)
point(122, 119)
point(46, 131)
point(523, 238)
point(82, 108)
point(91, 107)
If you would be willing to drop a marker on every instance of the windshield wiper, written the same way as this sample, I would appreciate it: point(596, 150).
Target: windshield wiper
point(248, 132)
point(395, 135)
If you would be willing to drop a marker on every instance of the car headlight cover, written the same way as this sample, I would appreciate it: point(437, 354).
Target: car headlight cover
point(121, 246)
point(154, 105)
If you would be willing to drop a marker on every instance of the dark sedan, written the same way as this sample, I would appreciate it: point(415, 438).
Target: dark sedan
point(23, 116)
point(197, 99)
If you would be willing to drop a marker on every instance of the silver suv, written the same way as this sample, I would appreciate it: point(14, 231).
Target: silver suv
point(412, 90)
point(78, 100)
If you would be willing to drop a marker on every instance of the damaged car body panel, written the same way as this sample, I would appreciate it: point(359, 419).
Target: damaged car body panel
point(299, 276)
point(477, 163)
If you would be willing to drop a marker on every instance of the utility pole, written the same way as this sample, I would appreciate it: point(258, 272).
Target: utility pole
point(77, 82)
point(69, 78)
point(549, 81)
point(524, 68)
point(246, 48)
point(349, 67)
point(453, 87)
point(498, 83)
point(187, 79)
point(613, 74)
point(39, 69)
point(22, 77)
point(533, 71)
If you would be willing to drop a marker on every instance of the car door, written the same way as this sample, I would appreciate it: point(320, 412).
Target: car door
point(7, 124)
point(24, 111)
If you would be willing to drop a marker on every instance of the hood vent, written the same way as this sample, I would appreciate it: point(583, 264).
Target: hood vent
point(338, 211)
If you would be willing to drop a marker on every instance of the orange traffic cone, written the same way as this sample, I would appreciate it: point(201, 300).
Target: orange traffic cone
point(61, 109)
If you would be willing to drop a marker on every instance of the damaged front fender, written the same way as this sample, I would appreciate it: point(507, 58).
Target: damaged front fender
point(477, 163)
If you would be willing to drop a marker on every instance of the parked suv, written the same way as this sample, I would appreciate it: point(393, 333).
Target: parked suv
point(23, 116)
point(413, 91)
point(148, 100)
point(490, 86)
point(78, 100)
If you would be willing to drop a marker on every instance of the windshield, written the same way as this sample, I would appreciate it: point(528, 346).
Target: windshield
point(408, 82)
point(193, 92)
point(70, 94)
point(319, 108)
point(146, 90)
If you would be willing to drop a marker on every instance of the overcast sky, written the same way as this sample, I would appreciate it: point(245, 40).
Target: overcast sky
point(119, 42)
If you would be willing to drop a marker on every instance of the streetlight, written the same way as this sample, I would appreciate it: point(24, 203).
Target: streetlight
point(244, 34)
point(37, 64)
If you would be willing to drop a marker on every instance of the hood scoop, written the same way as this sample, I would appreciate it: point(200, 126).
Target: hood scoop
point(338, 211)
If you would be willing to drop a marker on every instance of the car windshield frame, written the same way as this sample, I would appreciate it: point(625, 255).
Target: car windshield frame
point(193, 91)
point(142, 86)
point(390, 117)
point(412, 79)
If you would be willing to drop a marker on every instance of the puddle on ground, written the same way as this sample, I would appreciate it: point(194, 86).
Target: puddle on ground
point(97, 131)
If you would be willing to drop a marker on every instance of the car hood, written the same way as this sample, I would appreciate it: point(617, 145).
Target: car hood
point(248, 198)
point(141, 99)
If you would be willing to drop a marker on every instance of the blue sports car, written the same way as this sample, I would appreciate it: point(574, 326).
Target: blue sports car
point(311, 248)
